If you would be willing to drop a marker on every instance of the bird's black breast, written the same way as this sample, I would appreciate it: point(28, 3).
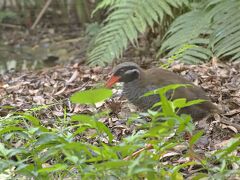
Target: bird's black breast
point(134, 92)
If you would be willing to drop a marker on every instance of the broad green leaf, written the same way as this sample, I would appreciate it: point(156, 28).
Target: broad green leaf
point(91, 96)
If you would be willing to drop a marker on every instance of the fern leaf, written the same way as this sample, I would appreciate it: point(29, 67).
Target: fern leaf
point(214, 29)
point(187, 29)
point(225, 40)
point(127, 19)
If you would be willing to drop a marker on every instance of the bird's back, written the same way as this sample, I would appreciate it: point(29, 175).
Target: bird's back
point(157, 78)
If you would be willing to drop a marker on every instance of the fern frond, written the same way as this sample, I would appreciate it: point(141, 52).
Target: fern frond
point(225, 40)
point(127, 19)
point(104, 4)
point(190, 28)
point(214, 30)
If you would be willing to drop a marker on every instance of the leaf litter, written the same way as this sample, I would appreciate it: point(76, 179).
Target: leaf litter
point(53, 86)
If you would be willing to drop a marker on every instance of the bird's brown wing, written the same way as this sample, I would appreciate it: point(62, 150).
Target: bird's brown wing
point(160, 77)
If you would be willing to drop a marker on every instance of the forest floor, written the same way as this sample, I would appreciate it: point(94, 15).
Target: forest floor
point(50, 88)
point(54, 86)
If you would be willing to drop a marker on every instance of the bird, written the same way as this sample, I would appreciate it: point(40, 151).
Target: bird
point(137, 82)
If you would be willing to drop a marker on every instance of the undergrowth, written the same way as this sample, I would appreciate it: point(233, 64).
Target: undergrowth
point(83, 147)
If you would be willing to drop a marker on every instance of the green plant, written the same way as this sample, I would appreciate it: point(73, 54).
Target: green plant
point(83, 147)
point(177, 55)
point(7, 14)
point(128, 18)
point(211, 27)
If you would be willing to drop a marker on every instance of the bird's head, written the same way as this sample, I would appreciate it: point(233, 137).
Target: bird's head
point(124, 72)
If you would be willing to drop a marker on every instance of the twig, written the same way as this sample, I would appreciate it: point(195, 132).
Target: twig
point(135, 154)
point(11, 26)
point(41, 14)
point(70, 40)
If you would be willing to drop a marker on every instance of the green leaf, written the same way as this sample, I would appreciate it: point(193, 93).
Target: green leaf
point(3, 150)
point(91, 96)
point(103, 128)
point(185, 123)
point(179, 103)
point(167, 109)
point(113, 164)
point(195, 138)
point(127, 18)
point(197, 101)
point(177, 168)
point(166, 89)
point(234, 144)
point(182, 102)
point(76, 146)
point(92, 123)
point(11, 129)
point(47, 138)
point(84, 119)
point(53, 168)
point(35, 121)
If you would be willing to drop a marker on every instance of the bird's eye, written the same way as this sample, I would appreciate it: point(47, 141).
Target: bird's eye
point(121, 70)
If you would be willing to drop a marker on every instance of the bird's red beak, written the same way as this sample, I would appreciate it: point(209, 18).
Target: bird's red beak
point(113, 80)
